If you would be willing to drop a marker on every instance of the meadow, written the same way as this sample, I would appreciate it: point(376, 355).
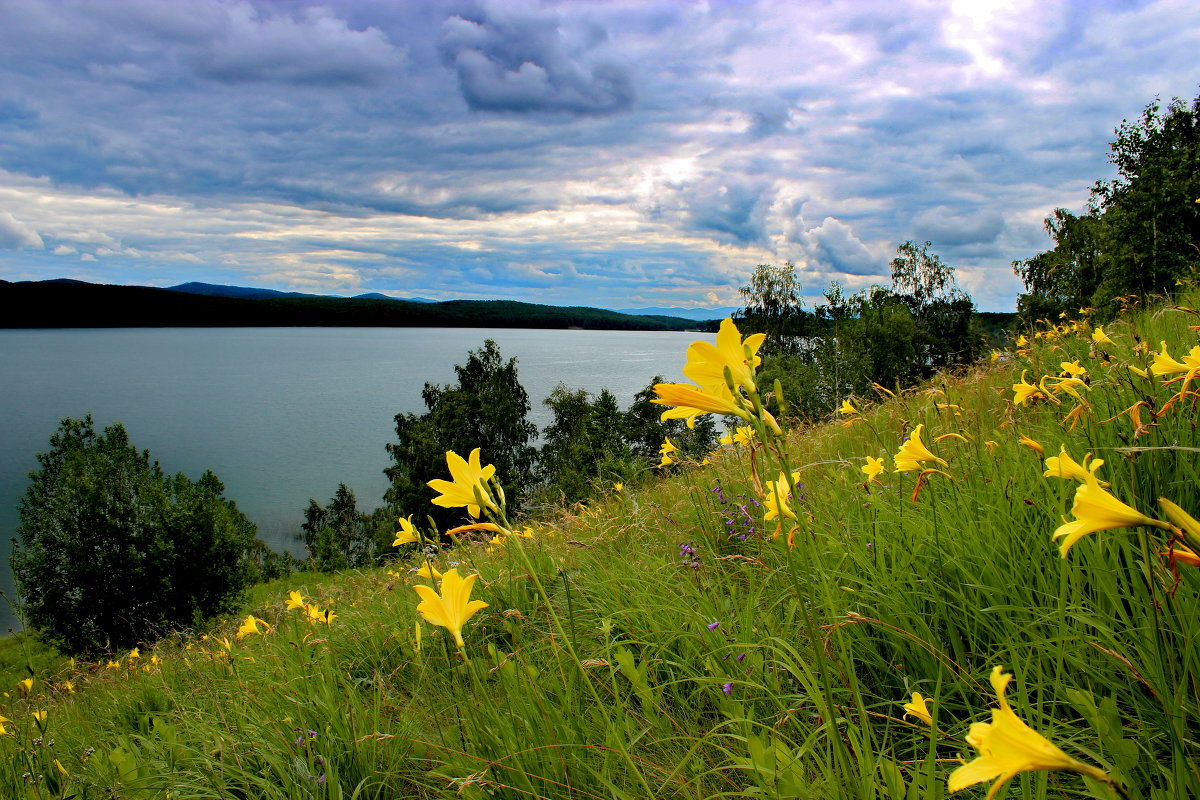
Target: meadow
point(877, 606)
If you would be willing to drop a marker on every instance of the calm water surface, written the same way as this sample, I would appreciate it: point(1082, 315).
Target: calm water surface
point(281, 415)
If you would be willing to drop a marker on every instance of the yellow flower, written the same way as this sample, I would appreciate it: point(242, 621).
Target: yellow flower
point(295, 600)
point(1025, 441)
point(665, 451)
point(1007, 746)
point(1025, 391)
point(706, 363)
point(469, 480)
point(429, 571)
point(249, 626)
point(113, 664)
point(848, 408)
point(407, 533)
point(69, 686)
point(872, 468)
point(26, 685)
point(1100, 337)
point(155, 660)
point(1073, 368)
point(777, 498)
point(3, 730)
point(618, 487)
point(1063, 466)
point(918, 708)
point(1097, 510)
point(691, 401)
point(134, 653)
point(453, 607)
point(913, 453)
point(40, 716)
point(996, 356)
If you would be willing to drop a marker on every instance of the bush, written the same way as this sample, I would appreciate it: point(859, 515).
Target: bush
point(114, 552)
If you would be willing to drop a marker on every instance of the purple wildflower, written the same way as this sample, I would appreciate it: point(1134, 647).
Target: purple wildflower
point(712, 626)
point(727, 688)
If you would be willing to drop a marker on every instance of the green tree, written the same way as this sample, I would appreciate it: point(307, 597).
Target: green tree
point(772, 304)
point(1066, 277)
point(643, 429)
point(583, 445)
point(338, 536)
point(113, 552)
point(488, 408)
point(942, 312)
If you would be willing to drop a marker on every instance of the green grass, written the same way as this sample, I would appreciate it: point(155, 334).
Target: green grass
point(596, 671)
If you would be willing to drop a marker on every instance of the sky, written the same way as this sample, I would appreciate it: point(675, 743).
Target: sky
point(593, 152)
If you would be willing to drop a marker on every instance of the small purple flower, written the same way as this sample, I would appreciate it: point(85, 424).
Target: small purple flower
point(741, 657)
point(712, 626)
point(727, 688)
point(321, 779)
point(686, 549)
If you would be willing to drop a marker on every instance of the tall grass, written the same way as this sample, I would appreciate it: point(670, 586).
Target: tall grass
point(663, 643)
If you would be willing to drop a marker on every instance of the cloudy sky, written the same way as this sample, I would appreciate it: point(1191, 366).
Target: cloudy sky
point(595, 152)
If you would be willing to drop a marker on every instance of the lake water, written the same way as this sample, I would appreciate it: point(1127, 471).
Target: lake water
point(281, 415)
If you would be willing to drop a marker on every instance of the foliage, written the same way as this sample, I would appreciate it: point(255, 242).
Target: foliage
point(1141, 232)
point(488, 408)
point(941, 311)
point(113, 551)
point(338, 536)
point(771, 304)
point(644, 430)
point(583, 445)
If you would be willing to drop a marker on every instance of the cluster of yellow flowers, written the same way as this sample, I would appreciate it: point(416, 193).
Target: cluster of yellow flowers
point(296, 602)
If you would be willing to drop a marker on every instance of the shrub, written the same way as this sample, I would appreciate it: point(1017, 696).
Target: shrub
point(113, 552)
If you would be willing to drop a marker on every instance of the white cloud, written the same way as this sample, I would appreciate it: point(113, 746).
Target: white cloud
point(15, 235)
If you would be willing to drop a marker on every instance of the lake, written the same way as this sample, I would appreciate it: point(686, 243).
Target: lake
point(281, 415)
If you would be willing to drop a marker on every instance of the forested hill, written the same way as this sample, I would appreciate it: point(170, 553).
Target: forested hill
point(75, 304)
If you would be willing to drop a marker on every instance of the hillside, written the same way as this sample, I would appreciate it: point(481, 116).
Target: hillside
point(979, 570)
point(75, 304)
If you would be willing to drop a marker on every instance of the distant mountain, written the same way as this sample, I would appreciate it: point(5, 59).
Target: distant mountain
point(67, 303)
point(217, 290)
point(685, 313)
point(381, 296)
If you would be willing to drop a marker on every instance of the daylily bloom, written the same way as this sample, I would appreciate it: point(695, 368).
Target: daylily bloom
point(1007, 746)
point(1097, 510)
point(40, 716)
point(665, 451)
point(777, 500)
point(706, 363)
point(872, 468)
point(134, 653)
point(848, 408)
point(407, 533)
point(691, 401)
point(1100, 337)
point(618, 487)
point(1025, 441)
point(429, 571)
point(918, 708)
point(295, 600)
point(25, 685)
point(1063, 466)
point(1026, 391)
point(913, 453)
point(3, 730)
point(453, 607)
point(470, 479)
point(249, 626)
point(1073, 368)
point(1165, 365)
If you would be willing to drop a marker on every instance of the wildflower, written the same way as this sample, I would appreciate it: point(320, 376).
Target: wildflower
point(134, 653)
point(707, 363)
point(665, 451)
point(155, 660)
point(429, 571)
point(712, 626)
point(3, 730)
point(692, 401)
point(872, 468)
point(69, 686)
point(407, 533)
point(112, 664)
point(776, 501)
point(1100, 337)
point(26, 685)
point(1025, 391)
point(249, 626)
point(1007, 746)
point(848, 408)
point(727, 688)
point(913, 452)
point(1025, 441)
point(469, 487)
point(295, 600)
point(1097, 510)
point(453, 607)
point(1072, 368)
point(1165, 365)
point(40, 716)
point(618, 487)
point(1063, 466)
point(918, 708)
point(996, 356)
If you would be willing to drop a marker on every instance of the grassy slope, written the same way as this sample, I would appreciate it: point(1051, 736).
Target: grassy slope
point(796, 692)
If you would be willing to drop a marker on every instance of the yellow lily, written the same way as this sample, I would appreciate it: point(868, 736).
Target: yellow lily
point(706, 363)
point(429, 571)
point(1100, 337)
point(1025, 441)
point(250, 626)
point(873, 468)
point(453, 607)
point(295, 600)
point(691, 401)
point(777, 500)
point(470, 479)
point(1165, 365)
point(25, 685)
point(1097, 510)
point(1063, 466)
point(848, 408)
point(913, 453)
point(918, 707)
point(407, 533)
point(1025, 391)
point(1007, 746)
